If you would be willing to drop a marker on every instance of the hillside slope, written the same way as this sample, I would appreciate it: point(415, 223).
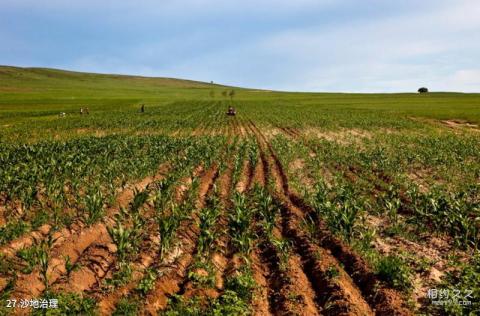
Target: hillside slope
point(14, 78)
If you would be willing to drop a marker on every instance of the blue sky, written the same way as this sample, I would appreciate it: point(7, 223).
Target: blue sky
point(295, 45)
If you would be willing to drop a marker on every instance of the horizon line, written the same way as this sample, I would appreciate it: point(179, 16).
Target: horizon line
point(217, 84)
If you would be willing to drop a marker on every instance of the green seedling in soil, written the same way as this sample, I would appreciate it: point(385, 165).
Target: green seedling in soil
point(167, 225)
point(121, 276)
point(283, 248)
point(148, 282)
point(393, 270)
point(69, 266)
point(332, 272)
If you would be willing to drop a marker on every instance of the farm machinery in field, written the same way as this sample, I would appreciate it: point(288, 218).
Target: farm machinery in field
point(231, 111)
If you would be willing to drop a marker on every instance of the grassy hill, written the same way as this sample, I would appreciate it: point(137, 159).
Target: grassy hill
point(24, 86)
point(31, 98)
point(31, 78)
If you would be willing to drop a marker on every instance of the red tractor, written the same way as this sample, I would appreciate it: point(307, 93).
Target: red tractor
point(231, 111)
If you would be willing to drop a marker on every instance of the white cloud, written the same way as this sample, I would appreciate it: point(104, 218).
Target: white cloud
point(393, 54)
point(464, 79)
point(433, 43)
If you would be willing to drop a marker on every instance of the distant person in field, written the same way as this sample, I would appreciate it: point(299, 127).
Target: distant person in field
point(142, 109)
point(87, 111)
point(81, 111)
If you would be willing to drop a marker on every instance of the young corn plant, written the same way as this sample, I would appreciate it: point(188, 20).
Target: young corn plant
point(127, 240)
point(140, 198)
point(43, 260)
point(266, 209)
point(208, 217)
point(69, 266)
point(163, 193)
point(167, 225)
point(393, 270)
point(38, 256)
point(93, 202)
point(239, 224)
point(283, 248)
point(120, 236)
point(392, 208)
point(148, 282)
point(339, 208)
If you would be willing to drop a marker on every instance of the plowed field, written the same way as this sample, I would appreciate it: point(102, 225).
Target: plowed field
point(279, 210)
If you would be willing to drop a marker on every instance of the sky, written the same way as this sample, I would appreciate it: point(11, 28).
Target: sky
point(292, 45)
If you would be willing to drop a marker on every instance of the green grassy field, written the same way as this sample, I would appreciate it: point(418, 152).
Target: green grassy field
point(321, 203)
point(33, 98)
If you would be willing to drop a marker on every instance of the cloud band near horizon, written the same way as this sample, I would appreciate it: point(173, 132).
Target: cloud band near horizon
point(304, 45)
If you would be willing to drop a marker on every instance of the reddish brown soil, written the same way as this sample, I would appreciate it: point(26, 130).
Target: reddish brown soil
point(31, 285)
point(352, 296)
point(25, 241)
point(221, 255)
point(260, 304)
point(289, 290)
point(122, 200)
point(245, 177)
point(3, 220)
point(233, 123)
point(173, 274)
point(94, 265)
point(76, 244)
point(385, 301)
point(3, 283)
point(149, 254)
point(300, 290)
point(341, 294)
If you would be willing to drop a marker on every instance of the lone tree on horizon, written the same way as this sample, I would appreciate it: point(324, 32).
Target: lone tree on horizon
point(422, 90)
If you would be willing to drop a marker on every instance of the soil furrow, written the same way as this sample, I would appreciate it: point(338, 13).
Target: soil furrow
point(222, 257)
point(172, 275)
point(234, 127)
point(344, 298)
point(260, 303)
point(73, 247)
point(94, 265)
point(382, 300)
point(288, 132)
point(332, 284)
point(149, 253)
point(289, 290)
point(122, 200)
point(245, 177)
point(261, 271)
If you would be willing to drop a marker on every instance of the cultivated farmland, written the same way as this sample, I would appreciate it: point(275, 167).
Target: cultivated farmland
point(302, 203)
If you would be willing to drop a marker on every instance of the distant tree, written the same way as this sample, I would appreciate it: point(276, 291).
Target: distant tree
point(422, 90)
point(224, 93)
point(212, 94)
point(231, 94)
